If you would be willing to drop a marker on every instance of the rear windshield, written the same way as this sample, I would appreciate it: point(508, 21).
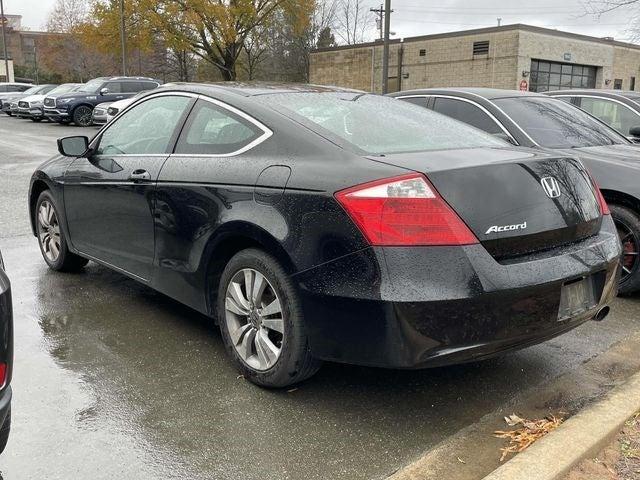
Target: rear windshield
point(378, 125)
point(553, 123)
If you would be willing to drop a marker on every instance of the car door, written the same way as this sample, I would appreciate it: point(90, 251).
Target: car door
point(109, 195)
point(617, 115)
point(214, 172)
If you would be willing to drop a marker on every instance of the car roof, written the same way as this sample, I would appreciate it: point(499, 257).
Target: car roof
point(597, 92)
point(487, 93)
point(18, 83)
point(251, 89)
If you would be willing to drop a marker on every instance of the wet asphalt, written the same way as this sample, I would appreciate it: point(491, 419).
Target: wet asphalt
point(113, 380)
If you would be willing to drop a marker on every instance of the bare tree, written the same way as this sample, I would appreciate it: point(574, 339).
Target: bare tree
point(67, 15)
point(598, 8)
point(353, 21)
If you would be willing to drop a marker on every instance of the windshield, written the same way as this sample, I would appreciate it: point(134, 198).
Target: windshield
point(32, 90)
point(60, 89)
point(553, 123)
point(378, 125)
point(91, 87)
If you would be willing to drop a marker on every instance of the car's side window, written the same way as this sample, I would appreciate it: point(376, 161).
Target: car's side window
point(467, 113)
point(145, 129)
point(214, 130)
point(420, 101)
point(114, 87)
point(148, 85)
point(130, 87)
point(613, 114)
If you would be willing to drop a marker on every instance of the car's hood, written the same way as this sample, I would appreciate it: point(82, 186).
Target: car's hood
point(104, 105)
point(14, 97)
point(627, 153)
point(75, 95)
point(120, 104)
point(33, 98)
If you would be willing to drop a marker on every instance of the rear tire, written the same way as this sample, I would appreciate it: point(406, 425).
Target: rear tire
point(51, 237)
point(628, 224)
point(252, 351)
point(82, 116)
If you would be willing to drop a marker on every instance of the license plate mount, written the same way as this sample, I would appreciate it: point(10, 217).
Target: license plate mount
point(576, 297)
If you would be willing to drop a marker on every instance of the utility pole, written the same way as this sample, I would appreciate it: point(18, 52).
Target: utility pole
point(379, 12)
point(385, 52)
point(499, 21)
point(123, 41)
point(35, 62)
point(4, 42)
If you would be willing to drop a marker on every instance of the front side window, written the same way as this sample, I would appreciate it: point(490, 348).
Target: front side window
point(213, 130)
point(614, 114)
point(145, 129)
point(467, 113)
point(116, 87)
point(554, 124)
point(378, 125)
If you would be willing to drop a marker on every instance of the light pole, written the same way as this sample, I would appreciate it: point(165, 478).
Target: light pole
point(122, 39)
point(4, 42)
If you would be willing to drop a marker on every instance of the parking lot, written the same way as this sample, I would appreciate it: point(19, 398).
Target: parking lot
point(114, 380)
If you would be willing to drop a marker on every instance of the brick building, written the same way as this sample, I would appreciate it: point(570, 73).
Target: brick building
point(23, 45)
point(510, 57)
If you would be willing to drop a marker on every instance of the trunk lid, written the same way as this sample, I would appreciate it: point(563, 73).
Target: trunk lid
point(515, 201)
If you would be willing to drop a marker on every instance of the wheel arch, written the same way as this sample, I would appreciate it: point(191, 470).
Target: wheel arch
point(231, 240)
point(623, 199)
point(37, 188)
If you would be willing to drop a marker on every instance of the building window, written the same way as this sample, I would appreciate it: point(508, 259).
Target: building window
point(617, 84)
point(481, 48)
point(632, 83)
point(546, 76)
point(423, 52)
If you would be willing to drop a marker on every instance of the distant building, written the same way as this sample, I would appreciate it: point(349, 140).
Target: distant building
point(511, 57)
point(23, 45)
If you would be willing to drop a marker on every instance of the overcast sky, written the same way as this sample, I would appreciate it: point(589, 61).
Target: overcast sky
point(420, 17)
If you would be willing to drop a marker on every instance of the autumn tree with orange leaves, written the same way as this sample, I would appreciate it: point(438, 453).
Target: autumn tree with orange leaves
point(218, 30)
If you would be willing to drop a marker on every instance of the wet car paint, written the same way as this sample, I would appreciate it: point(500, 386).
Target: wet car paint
point(116, 380)
point(176, 230)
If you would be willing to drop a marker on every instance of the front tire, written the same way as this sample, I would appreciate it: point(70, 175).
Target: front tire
point(51, 237)
point(628, 225)
point(82, 116)
point(261, 320)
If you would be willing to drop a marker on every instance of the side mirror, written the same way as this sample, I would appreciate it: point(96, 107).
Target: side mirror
point(104, 91)
point(635, 131)
point(505, 137)
point(73, 146)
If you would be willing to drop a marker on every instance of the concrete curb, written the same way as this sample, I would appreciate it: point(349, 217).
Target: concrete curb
point(579, 438)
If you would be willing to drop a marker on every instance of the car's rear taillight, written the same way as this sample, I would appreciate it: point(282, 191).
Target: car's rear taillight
point(3, 375)
point(604, 208)
point(405, 210)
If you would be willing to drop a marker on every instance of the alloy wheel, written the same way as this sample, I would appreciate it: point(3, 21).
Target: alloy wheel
point(49, 231)
point(83, 116)
point(630, 250)
point(253, 314)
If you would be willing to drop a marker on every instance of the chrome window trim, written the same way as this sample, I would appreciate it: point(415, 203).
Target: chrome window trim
point(267, 132)
point(475, 104)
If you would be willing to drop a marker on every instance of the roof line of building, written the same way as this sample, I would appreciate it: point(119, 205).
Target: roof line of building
point(487, 30)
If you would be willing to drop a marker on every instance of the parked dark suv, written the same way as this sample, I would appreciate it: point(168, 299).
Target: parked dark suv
point(77, 107)
point(6, 356)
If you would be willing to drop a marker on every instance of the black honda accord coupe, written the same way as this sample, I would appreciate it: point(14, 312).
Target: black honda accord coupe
point(315, 223)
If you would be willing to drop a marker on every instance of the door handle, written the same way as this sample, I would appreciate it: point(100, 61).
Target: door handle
point(140, 175)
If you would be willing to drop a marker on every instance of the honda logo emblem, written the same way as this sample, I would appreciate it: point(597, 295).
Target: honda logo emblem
point(551, 187)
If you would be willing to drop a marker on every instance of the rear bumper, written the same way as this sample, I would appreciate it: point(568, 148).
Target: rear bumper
point(429, 306)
